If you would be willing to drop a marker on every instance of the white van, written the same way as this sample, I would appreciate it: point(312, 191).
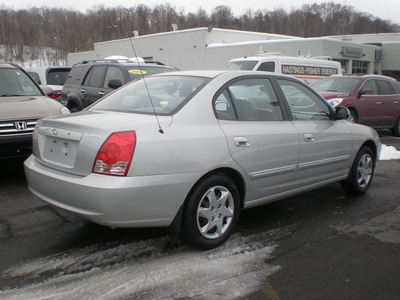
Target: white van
point(309, 70)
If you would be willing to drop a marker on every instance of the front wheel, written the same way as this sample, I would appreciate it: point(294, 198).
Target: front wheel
point(361, 172)
point(211, 212)
point(396, 128)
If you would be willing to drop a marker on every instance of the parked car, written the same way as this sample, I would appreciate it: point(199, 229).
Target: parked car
point(88, 81)
point(22, 103)
point(50, 76)
point(189, 150)
point(373, 100)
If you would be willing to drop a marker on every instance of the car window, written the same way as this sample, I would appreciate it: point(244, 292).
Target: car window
point(136, 72)
point(241, 65)
point(248, 100)
point(95, 77)
point(397, 86)
point(303, 103)
point(159, 94)
point(337, 84)
point(35, 77)
point(14, 82)
point(57, 76)
point(371, 84)
point(384, 87)
point(268, 66)
point(76, 75)
point(113, 73)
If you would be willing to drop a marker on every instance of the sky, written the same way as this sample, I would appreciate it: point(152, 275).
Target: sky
point(384, 9)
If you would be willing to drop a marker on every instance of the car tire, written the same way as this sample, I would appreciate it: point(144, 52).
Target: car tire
point(361, 172)
point(396, 128)
point(211, 212)
point(353, 116)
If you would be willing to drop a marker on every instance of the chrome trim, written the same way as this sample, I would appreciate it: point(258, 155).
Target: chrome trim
point(272, 172)
point(323, 162)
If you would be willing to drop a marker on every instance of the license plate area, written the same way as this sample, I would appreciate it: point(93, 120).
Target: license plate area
point(60, 151)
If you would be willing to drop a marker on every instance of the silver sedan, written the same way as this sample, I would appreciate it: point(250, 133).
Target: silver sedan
point(189, 150)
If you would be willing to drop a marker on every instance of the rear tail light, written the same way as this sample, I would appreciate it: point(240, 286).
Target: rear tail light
point(115, 155)
point(55, 95)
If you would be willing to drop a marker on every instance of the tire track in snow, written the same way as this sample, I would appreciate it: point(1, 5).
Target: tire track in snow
point(150, 269)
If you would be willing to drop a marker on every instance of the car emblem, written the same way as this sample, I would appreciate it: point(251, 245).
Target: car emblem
point(54, 132)
point(20, 125)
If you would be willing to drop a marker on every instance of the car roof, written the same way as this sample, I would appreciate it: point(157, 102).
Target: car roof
point(367, 76)
point(8, 65)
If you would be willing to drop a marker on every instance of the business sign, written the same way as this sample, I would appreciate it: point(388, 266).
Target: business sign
point(352, 52)
point(308, 70)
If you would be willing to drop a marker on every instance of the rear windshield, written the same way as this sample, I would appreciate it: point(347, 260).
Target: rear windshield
point(338, 84)
point(136, 72)
point(57, 76)
point(163, 95)
point(14, 82)
point(246, 65)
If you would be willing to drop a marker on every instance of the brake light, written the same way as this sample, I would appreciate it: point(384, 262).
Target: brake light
point(55, 95)
point(115, 155)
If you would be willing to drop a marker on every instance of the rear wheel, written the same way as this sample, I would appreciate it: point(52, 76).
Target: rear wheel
point(211, 212)
point(361, 172)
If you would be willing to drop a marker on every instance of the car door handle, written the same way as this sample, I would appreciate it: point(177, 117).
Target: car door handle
point(396, 102)
point(241, 142)
point(101, 93)
point(83, 90)
point(379, 102)
point(309, 138)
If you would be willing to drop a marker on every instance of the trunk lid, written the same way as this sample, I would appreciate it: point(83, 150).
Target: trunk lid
point(70, 143)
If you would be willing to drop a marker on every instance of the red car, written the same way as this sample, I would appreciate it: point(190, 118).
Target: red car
point(373, 100)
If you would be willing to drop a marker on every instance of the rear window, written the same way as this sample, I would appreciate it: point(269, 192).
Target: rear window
point(136, 72)
point(246, 65)
point(57, 76)
point(163, 95)
point(77, 74)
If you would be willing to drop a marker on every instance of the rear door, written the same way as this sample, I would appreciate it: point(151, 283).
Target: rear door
point(376, 108)
point(92, 88)
point(260, 139)
point(325, 144)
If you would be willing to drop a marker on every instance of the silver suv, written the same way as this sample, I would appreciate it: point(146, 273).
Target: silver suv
point(22, 103)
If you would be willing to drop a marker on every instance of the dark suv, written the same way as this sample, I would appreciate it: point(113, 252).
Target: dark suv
point(88, 81)
point(373, 100)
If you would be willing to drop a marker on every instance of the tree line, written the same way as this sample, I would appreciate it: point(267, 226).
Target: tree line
point(43, 33)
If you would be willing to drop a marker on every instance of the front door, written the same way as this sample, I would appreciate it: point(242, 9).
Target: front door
point(325, 143)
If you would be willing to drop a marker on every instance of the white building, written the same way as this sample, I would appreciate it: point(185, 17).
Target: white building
point(212, 48)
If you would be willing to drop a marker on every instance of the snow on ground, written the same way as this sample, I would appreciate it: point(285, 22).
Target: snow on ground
point(149, 269)
point(389, 153)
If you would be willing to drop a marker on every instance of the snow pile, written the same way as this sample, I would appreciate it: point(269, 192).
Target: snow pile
point(150, 269)
point(389, 153)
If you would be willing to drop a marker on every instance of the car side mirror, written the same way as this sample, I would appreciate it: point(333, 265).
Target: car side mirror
point(366, 91)
point(114, 83)
point(47, 90)
point(221, 107)
point(342, 113)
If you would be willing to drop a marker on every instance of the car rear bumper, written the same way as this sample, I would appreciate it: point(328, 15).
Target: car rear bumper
point(142, 201)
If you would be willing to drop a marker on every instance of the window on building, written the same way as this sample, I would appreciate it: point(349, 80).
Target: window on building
point(359, 67)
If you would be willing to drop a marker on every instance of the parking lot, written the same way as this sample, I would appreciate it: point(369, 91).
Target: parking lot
point(319, 245)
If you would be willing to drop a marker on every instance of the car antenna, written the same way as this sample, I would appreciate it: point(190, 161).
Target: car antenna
point(160, 130)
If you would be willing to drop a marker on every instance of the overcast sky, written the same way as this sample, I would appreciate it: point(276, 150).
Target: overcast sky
point(384, 9)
